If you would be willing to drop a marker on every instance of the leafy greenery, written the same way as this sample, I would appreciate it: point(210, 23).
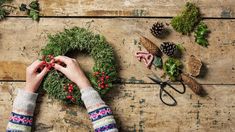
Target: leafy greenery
point(3, 10)
point(82, 40)
point(32, 10)
point(172, 68)
point(201, 34)
point(187, 20)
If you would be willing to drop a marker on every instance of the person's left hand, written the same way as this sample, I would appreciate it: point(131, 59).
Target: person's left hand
point(33, 77)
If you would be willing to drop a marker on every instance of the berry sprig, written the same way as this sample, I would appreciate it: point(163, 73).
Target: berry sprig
point(69, 88)
point(49, 62)
point(103, 79)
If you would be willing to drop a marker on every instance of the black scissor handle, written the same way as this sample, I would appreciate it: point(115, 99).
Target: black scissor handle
point(169, 104)
point(178, 91)
point(162, 88)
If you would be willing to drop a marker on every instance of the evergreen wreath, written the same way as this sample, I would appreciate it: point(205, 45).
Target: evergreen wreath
point(104, 71)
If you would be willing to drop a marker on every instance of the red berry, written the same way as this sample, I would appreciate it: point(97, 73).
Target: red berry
point(70, 91)
point(44, 62)
point(107, 77)
point(102, 86)
point(103, 73)
point(106, 85)
point(70, 88)
point(69, 97)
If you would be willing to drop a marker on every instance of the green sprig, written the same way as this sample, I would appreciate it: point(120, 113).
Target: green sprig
point(32, 9)
point(172, 68)
point(201, 34)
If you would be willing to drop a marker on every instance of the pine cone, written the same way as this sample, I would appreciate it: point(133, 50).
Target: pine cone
point(169, 48)
point(150, 46)
point(192, 83)
point(157, 29)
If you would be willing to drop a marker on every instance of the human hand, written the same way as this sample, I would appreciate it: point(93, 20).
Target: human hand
point(72, 71)
point(33, 77)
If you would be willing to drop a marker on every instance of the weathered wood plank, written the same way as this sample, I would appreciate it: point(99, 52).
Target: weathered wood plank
point(22, 39)
point(136, 108)
point(136, 8)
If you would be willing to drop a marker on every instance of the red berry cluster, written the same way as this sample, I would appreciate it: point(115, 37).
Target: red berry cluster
point(69, 88)
point(49, 61)
point(103, 79)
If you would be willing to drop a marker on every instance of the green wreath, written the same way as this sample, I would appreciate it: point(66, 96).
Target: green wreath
point(104, 70)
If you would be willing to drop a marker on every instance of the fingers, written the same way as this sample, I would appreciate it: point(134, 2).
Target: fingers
point(35, 65)
point(59, 68)
point(43, 72)
point(64, 59)
point(36, 62)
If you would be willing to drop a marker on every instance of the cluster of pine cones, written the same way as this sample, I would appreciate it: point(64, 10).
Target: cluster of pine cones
point(169, 48)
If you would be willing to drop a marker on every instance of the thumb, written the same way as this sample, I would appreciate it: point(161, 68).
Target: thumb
point(43, 72)
point(59, 68)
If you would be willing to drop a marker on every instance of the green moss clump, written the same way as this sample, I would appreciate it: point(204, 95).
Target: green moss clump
point(187, 20)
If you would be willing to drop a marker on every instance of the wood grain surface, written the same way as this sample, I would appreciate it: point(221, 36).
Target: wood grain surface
point(142, 111)
point(134, 100)
point(129, 8)
point(27, 38)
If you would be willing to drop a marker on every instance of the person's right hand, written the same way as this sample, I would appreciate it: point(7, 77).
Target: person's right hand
point(72, 71)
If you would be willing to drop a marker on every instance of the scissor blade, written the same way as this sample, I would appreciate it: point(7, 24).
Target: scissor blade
point(155, 80)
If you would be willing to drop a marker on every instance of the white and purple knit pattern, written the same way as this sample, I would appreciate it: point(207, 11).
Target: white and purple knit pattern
point(100, 113)
point(106, 128)
point(21, 119)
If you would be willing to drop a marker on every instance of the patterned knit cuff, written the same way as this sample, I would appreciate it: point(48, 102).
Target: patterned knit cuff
point(91, 97)
point(25, 102)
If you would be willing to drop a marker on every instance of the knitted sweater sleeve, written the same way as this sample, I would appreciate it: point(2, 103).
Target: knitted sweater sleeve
point(21, 117)
point(99, 113)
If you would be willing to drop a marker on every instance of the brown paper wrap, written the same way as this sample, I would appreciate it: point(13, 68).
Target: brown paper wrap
point(192, 83)
point(150, 46)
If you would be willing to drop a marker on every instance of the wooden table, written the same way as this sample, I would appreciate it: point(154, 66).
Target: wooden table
point(135, 102)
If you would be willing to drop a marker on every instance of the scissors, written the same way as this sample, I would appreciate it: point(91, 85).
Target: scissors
point(163, 84)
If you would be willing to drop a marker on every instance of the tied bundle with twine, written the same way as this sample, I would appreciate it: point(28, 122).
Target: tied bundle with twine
point(150, 46)
point(192, 84)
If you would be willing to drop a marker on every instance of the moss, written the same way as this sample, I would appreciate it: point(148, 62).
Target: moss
point(187, 20)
